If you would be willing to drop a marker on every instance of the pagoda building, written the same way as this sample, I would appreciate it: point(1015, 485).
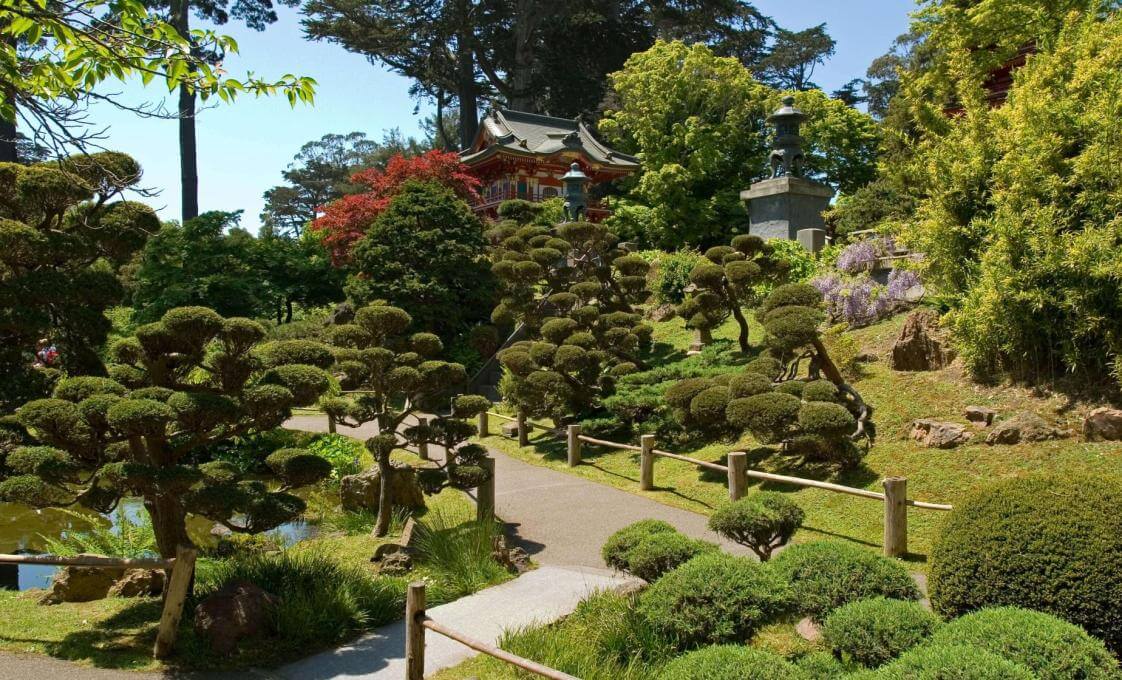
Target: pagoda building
point(519, 155)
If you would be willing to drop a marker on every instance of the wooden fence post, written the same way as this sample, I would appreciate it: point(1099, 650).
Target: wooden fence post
point(330, 423)
point(415, 631)
point(574, 445)
point(178, 583)
point(646, 462)
point(423, 447)
point(482, 425)
point(523, 435)
point(485, 494)
point(895, 516)
point(738, 477)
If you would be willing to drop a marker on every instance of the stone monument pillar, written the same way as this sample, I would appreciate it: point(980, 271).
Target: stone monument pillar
point(787, 203)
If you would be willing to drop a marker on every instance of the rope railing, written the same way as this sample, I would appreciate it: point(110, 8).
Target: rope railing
point(417, 622)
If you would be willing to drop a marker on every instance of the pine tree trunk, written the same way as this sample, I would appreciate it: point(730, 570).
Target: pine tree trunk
point(8, 150)
point(169, 522)
point(743, 323)
point(527, 16)
point(188, 161)
point(385, 499)
point(467, 94)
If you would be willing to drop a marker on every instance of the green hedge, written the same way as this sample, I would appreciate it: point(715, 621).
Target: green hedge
point(951, 662)
point(1052, 648)
point(1051, 543)
point(875, 631)
point(731, 662)
point(714, 598)
point(827, 574)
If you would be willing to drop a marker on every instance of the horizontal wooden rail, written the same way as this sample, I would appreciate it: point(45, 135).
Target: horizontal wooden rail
point(417, 621)
point(813, 483)
point(692, 461)
point(929, 506)
point(491, 650)
point(604, 442)
point(90, 561)
point(501, 415)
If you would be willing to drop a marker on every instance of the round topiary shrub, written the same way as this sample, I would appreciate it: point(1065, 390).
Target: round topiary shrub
point(1051, 648)
point(825, 575)
point(1045, 542)
point(875, 631)
point(731, 662)
point(769, 417)
point(952, 662)
point(821, 665)
point(615, 549)
point(763, 521)
point(660, 552)
point(714, 598)
point(820, 390)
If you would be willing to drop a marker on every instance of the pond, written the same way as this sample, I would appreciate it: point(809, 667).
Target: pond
point(23, 529)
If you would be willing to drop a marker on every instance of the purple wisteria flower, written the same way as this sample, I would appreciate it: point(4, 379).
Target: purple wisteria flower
point(900, 281)
point(857, 257)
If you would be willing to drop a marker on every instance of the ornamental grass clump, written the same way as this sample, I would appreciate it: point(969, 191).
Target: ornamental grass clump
point(763, 521)
point(825, 575)
point(875, 631)
point(1045, 542)
point(714, 598)
point(1050, 647)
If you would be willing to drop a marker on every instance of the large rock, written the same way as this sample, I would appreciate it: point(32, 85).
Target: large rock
point(980, 415)
point(935, 434)
point(360, 492)
point(663, 312)
point(1022, 427)
point(240, 610)
point(1103, 424)
point(139, 583)
point(921, 345)
point(82, 584)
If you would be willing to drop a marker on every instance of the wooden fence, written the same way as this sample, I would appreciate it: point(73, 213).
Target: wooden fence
point(417, 622)
point(181, 568)
point(894, 496)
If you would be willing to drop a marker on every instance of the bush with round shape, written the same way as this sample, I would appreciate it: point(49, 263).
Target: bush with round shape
point(748, 384)
point(820, 390)
point(658, 553)
point(708, 407)
point(615, 549)
point(873, 632)
point(731, 662)
point(825, 575)
point(714, 598)
point(822, 665)
point(763, 521)
point(952, 662)
point(1047, 542)
point(826, 419)
point(1050, 647)
point(769, 416)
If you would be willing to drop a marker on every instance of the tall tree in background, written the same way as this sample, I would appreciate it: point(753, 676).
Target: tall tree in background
point(256, 14)
point(321, 172)
point(794, 56)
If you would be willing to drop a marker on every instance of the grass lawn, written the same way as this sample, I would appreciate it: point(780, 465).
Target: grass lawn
point(119, 632)
point(942, 476)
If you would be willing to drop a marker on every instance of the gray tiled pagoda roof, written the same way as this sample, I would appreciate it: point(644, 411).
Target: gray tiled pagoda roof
point(533, 134)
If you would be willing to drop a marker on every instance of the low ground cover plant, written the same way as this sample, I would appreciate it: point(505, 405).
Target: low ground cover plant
point(825, 575)
point(874, 631)
point(731, 662)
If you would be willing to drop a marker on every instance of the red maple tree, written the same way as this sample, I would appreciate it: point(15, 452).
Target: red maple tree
point(347, 219)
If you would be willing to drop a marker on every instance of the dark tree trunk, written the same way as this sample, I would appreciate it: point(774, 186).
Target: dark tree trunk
point(385, 498)
point(467, 94)
point(528, 15)
point(188, 161)
point(288, 311)
point(169, 522)
point(8, 153)
point(743, 323)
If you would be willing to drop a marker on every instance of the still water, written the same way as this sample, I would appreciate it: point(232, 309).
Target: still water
point(24, 529)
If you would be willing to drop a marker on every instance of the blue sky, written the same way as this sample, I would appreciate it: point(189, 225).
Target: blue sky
point(243, 147)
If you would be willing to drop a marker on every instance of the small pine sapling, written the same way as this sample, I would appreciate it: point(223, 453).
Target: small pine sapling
point(762, 521)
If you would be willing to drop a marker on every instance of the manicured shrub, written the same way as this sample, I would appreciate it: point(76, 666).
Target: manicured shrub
point(658, 553)
point(820, 390)
point(952, 662)
point(821, 665)
point(875, 631)
point(1047, 542)
point(1051, 648)
point(731, 662)
point(825, 419)
point(617, 546)
point(763, 521)
point(714, 598)
point(768, 416)
point(825, 575)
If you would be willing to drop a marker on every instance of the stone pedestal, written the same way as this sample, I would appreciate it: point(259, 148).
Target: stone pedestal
point(782, 206)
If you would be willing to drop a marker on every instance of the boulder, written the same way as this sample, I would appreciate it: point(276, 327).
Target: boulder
point(921, 345)
point(980, 415)
point(808, 630)
point(360, 492)
point(1022, 427)
point(139, 583)
point(510, 429)
point(663, 312)
point(1103, 424)
point(239, 610)
point(344, 312)
point(935, 434)
point(81, 584)
point(395, 564)
point(515, 560)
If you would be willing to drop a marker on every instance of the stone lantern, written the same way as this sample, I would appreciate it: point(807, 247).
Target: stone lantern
point(575, 202)
point(786, 204)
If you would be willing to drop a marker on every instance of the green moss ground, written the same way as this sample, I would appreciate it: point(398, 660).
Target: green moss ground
point(943, 476)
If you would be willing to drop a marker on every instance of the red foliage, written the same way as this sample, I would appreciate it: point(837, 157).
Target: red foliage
point(346, 220)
